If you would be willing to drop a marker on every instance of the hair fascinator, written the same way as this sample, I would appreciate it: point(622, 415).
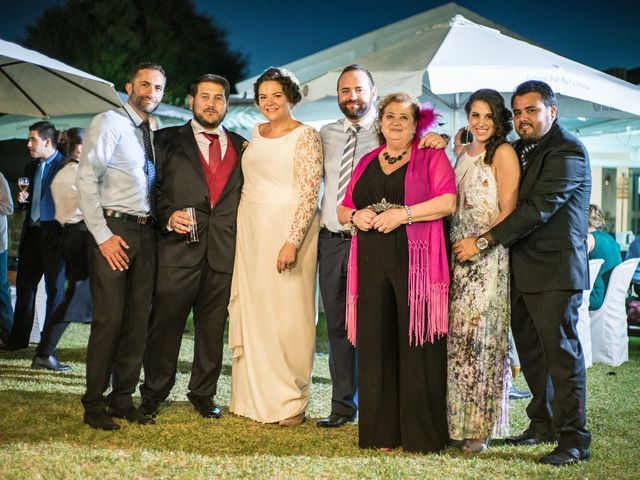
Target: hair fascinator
point(428, 118)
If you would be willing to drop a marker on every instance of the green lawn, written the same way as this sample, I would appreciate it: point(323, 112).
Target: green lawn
point(42, 434)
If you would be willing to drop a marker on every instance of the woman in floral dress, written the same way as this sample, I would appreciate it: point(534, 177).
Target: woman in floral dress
point(487, 176)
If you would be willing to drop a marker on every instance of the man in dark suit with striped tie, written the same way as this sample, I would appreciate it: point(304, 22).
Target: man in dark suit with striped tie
point(39, 241)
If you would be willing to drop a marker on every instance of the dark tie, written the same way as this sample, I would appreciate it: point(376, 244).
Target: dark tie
point(215, 151)
point(37, 192)
point(526, 150)
point(149, 167)
point(346, 165)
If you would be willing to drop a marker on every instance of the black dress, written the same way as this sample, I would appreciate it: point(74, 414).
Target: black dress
point(402, 388)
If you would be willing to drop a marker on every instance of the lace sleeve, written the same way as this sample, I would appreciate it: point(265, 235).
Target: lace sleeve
point(307, 165)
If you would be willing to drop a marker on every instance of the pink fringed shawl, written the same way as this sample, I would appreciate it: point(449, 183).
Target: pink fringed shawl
point(429, 175)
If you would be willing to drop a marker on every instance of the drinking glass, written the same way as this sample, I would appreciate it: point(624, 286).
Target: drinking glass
point(23, 184)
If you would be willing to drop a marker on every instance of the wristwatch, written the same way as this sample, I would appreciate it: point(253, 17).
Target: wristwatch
point(482, 243)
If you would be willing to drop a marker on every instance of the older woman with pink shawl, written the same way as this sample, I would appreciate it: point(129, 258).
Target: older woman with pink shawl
point(398, 282)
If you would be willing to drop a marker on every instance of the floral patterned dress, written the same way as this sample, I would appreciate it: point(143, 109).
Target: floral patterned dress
point(479, 313)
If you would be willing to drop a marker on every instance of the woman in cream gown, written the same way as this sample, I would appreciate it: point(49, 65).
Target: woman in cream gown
point(272, 307)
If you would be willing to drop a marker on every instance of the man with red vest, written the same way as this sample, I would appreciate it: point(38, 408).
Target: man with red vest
point(198, 165)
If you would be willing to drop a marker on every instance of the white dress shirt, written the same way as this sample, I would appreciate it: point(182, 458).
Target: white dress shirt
point(334, 137)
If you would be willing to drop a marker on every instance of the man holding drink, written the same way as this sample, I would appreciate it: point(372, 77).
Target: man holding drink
point(199, 184)
point(41, 233)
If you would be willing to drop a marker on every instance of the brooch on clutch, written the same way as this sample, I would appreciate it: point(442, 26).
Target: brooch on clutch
point(383, 206)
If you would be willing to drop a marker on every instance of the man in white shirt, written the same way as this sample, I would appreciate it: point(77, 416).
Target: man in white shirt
point(116, 187)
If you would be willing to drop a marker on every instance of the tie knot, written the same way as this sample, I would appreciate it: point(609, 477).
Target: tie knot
point(145, 127)
point(354, 128)
point(211, 136)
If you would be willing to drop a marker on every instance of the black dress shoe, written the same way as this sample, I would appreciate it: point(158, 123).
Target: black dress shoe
point(49, 363)
point(515, 394)
point(565, 456)
point(208, 409)
point(148, 408)
point(334, 420)
point(132, 415)
point(529, 437)
point(100, 420)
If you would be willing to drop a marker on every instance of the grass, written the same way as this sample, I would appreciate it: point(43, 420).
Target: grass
point(42, 434)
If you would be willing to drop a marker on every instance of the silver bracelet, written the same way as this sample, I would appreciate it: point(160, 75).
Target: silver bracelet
point(409, 217)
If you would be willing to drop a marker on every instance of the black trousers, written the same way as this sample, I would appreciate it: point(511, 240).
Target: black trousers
point(39, 255)
point(333, 257)
point(74, 253)
point(178, 291)
point(402, 388)
point(121, 308)
point(544, 330)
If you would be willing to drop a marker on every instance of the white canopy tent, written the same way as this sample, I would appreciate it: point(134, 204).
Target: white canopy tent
point(444, 54)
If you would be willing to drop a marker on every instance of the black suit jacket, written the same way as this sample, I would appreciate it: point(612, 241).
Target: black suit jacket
point(30, 171)
point(547, 232)
point(182, 183)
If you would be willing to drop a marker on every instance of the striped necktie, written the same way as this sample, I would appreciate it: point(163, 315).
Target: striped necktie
point(149, 168)
point(526, 150)
point(346, 166)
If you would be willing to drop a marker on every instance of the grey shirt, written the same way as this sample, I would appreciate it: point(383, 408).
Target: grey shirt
point(111, 173)
point(334, 137)
point(6, 208)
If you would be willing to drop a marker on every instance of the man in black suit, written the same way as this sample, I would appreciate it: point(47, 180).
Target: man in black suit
point(547, 237)
point(199, 167)
point(39, 242)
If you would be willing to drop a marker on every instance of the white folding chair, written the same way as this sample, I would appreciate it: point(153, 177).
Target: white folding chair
point(584, 321)
point(609, 338)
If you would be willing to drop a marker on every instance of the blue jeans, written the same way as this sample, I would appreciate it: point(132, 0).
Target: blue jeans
point(6, 311)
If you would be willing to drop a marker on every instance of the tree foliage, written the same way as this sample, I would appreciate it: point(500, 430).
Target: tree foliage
point(107, 38)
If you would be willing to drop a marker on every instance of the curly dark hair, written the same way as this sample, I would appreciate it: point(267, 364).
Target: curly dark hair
point(286, 79)
point(502, 118)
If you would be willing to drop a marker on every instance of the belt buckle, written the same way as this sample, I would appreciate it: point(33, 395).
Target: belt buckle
point(141, 220)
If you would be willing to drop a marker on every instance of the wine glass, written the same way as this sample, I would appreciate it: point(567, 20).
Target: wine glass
point(23, 184)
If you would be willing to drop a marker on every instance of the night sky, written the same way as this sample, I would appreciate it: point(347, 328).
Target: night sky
point(597, 33)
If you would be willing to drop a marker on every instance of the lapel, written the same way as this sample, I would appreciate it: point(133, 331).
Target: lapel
point(235, 142)
point(190, 148)
point(51, 172)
